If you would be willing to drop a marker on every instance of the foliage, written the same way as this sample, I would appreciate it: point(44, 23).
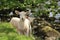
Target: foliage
point(42, 5)
point(7, 32)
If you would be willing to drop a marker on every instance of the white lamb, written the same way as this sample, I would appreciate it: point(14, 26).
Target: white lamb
point(22, 26)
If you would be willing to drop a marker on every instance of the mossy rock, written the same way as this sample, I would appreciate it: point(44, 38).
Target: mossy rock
point(50, 31)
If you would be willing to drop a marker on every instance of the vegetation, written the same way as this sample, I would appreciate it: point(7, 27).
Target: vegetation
point(38, 7)
point(45, 5)
point(7, 32)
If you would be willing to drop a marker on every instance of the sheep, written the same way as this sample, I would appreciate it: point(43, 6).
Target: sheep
point(22, 26)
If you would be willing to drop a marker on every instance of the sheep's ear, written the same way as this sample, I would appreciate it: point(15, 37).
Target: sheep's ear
point(16, 12)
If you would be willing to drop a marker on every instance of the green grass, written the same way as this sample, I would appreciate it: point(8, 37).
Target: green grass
point(8, 32)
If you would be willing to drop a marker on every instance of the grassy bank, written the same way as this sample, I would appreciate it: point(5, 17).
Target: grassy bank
point(7, 32)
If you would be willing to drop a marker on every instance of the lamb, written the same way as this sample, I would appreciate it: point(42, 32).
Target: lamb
point(21, 25)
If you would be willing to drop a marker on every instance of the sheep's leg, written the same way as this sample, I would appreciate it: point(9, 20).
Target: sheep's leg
point(30, 30)
point(20, 31)
point(26, 32)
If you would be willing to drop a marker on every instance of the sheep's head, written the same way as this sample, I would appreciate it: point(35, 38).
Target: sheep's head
point(21, 14)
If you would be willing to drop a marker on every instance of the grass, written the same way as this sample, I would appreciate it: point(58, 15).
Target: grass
point(8, 32)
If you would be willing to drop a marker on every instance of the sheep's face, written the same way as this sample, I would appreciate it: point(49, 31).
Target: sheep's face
point(22, 15)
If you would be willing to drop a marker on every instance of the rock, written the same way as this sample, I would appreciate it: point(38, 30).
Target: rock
point(50, 38)
point(51, 33)
point(43, 28)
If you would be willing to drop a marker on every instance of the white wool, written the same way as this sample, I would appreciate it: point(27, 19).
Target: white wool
point(26, 23)
point(23, 27)
point(20, 25)
point(15, 22)
point(27, 26)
